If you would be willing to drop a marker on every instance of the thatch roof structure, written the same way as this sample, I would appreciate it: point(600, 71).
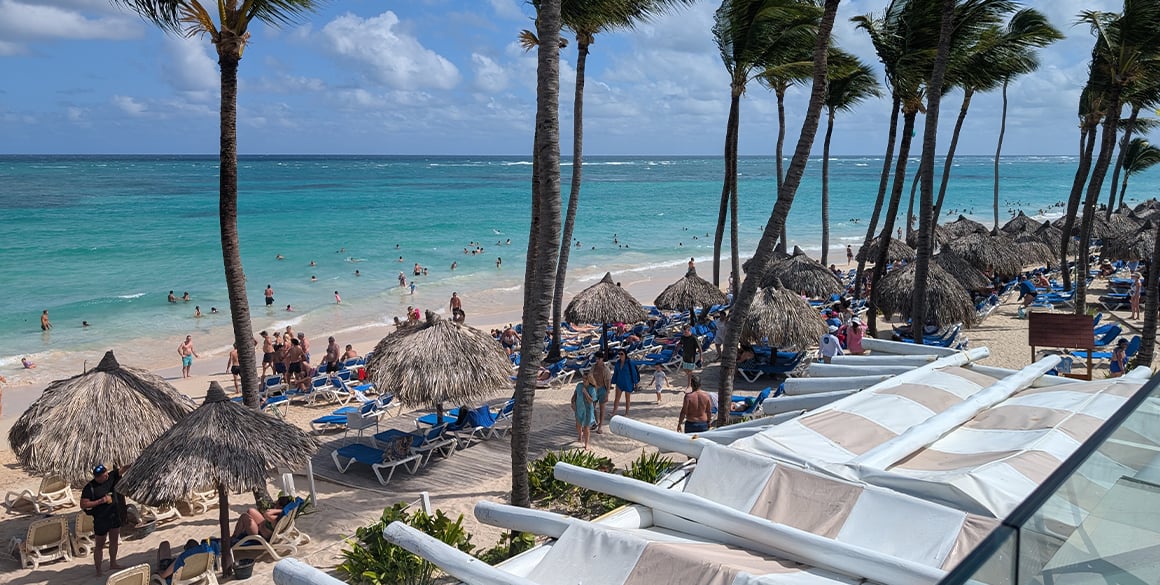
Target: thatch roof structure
point(1020, 224)
point(1048, 234)
point(1100, 225)
point(1137, 246)
point(108, 415)
point(439, 361)
point(983, 250)
point(941, 236)
point(803, 274)
point(1122, 225)
point(1035, 252)
point(947, 302)
point(897, 250)
point(689, 292)
point(785, 319)
point(604, 302)
point(970, 277)
point(964, 226)
point(1146, 209)
point(222, 443)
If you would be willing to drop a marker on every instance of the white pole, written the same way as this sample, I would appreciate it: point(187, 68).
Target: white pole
point(310, 477)
point(807, 402)
point(900, 348)
point(821, 370)
point(291, 571)
point(933, 428)
point(453, 561)
point(1039, 382)
point(803, 386)
point(883, 360)
point(663, 439)
point(794, 544)
point(523, 519)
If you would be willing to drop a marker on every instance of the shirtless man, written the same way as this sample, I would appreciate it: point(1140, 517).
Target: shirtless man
point(293, 360)
point(172, 298)
point(456, 303)
point(696, 409)
point(331, 359)
point(350, 353)
point(233, 367)
point(269, 296)
point(267, 352)
point(305, 347)
point(187, 353)
point(45, 324)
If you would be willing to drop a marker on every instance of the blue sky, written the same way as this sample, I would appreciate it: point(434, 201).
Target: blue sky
point(446, 77)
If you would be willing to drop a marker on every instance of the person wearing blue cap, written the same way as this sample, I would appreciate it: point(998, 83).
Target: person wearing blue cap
point(99, 500)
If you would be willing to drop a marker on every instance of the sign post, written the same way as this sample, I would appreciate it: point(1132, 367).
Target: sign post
point(1062, 331)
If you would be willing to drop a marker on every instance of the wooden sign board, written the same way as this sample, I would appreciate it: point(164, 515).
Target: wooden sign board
point(1061, 330)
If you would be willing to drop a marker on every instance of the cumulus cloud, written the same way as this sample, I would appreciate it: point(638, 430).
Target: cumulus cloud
point(129, 105)
point(27, 22)
point(189, 67)
point(388, 54)
point(490, 76)
point(507, 9)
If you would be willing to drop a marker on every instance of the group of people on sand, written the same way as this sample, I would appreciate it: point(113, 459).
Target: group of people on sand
point(288, 354)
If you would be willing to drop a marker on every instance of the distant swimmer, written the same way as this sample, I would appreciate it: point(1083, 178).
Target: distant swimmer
point(269, 295)
point(312, 263)
point(84, 323)
point(185, 296)
point(289, 308)
point(45, 324)
point(213, 310)
point(357, 273)
point(279, 257)
point(498, 262)
point(400, 258)
point(197, 312)
point(337, 299)
point(172, 297)
point(412, 287)
point(402, 279)
point(454, 264)
point(509, 242)
point(341, 251)
point(313, 278)
point(424, 271)
point(396, 246)
point(27, 363)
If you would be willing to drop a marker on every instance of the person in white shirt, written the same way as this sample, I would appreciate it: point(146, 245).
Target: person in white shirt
point(830, 346)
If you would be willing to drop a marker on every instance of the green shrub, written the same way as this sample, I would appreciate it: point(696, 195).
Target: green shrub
point(373, 560)
point(510, 544)
point(649, 467)
point(548, 492)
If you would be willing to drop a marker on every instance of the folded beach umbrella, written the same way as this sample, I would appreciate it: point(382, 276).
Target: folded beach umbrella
point(107, 415)
point(1130, 246)
point(970, 277)
point(983, 251)
point(439, 361)
point(897, 250)
point(947, 302)
point(803, 274)
point(784, 318)
point(964, 226)
point(689, 292)
point(224, 444)
point(1019, 225)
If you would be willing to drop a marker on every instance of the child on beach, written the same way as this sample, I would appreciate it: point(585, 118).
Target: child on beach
point(337, 299)
point(659, 380)
point(583, 399)
point(27, 363)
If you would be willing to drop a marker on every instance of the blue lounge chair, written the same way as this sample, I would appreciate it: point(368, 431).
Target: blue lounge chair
point(425, 443)
point(473, 425)
point(784, 363)
point(1130, 351)
point(398, 455)
point(338, 419)
point(430, 420)
point(752, 406)
point(1109, 336)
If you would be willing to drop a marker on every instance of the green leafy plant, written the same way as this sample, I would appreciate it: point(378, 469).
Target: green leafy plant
point(371, 559)
point(558, 496)
point(649, 467)
point(510, 544)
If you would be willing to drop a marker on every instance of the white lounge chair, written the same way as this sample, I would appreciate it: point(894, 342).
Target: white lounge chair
point(54, 493)
point(47, 540)
point(135, 575)
point(283, 542)
point(202, 500)
point(158, 514)
point(197, 569)
point(82, 536)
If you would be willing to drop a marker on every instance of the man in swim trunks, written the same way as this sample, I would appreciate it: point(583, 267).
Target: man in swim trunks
point(293, 360)
point(696, 409)
point(267, 352)
point(185, 350)
point(99, 500)
point(45, 324)
point(269, 295)
point(232, 365)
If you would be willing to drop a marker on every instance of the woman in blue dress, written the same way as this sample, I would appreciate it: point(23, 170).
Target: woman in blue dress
point(583, 400)
point(625, 377)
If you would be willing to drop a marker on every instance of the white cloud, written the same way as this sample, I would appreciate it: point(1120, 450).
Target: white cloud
point(388, 53)
point(75, 114)
point(26, 22)
point(490, 76)
point(189, 67)
point(129, 105)
point(508, 9)
point(8, 49)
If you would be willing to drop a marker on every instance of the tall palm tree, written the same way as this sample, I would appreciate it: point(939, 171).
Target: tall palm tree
point(229, 36)
point(785, 66)
point(587, 18)
point(543, 239)
point(746, 32)
point(1090, 114)
point(1151, 307)
point(785, 196)
point(851, 83)
point(1143, 95)
point(1139, 156)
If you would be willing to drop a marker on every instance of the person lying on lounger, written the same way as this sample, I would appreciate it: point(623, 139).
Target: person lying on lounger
point(261, 523)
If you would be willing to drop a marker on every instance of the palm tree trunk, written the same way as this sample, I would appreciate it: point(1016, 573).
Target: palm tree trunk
point(926, 170)
point(888, 222)
point(228, 216)
point(1151, 305)
point(765, 247)
point(951, 148)
point(545, 232)
point(1095, 184)
point(883, 183)
point(1073, 200)
point(1129, 128)
point(780, 165)
point(573, 196)
point(731, 129)
point(910, 204)
point(826, 188)
point(998, 150)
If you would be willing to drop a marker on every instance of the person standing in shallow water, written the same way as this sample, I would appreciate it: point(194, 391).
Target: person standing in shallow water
point(45, 324)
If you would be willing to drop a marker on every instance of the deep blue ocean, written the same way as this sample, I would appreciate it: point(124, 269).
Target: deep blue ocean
point(104, 239)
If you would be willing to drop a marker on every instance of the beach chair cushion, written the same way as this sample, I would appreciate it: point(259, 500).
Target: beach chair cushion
point(135, 575)
point(82, 536)
point(47, 540)
point(54, 492)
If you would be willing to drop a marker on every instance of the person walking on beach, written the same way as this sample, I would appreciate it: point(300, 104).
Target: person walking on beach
point(269, 296)
point(583, 408)
point(690, 354)
point(99, 500)
point(45, 324)
point(185, 350)
point(331, 358)
point(660, 379)
point(696, 408)
point(267, 352)
point(602, 379)
point(233, 367)
point(1134, 295)
point(337, 299)
point(849, 254)
point(625, 377)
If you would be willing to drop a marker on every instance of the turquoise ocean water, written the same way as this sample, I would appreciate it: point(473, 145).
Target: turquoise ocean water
point(104, 239)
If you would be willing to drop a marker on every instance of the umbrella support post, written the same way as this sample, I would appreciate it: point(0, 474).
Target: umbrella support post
point(224, 520)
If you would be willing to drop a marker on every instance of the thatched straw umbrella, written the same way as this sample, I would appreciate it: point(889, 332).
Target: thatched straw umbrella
point(946, 301)
point(964, 226)
point(1149, 209)
point(1100, 225)
point(605, 302)
point(785, 318)
point(941, 236)
point(439, 361)
point(689, 292)
point(1131, 246)
point(107, 415)
point(1019, 225)
point(801, 273)
point(223, 444)
point(1048, 234)
point(968, 276)
point(983, 250)
point(1034, 251)
point(898, 250)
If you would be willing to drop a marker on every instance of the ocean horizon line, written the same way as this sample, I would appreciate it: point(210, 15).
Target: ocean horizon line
point(311, 156)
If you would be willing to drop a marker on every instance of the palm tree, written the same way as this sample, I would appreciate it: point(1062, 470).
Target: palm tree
point(851, 82)
point(543, 239)
point(1151, 307)
point(785, 196)
point(1144, 95)
point(746, 32)
point(1139, 156)
point(229, 37)
point(786, 65)
point(1090, 114)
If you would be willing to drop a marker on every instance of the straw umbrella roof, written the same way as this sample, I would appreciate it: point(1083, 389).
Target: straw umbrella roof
point(1020, 224)
point(1145, 208)
point(604, 302)
point(968, 276)
point(1035, 252)
point(688, 292)
point(1131, 246)
point(803, 274)
point(947, 302)
point(964, 226)
point(1048, 234)
point(941, 236)
point(124, 409)
point(785, 318)
point(222, 443)
point(1120, 224)
point(897, 250)
point(983, 250)
point(1100, 225)
point(439, 361)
